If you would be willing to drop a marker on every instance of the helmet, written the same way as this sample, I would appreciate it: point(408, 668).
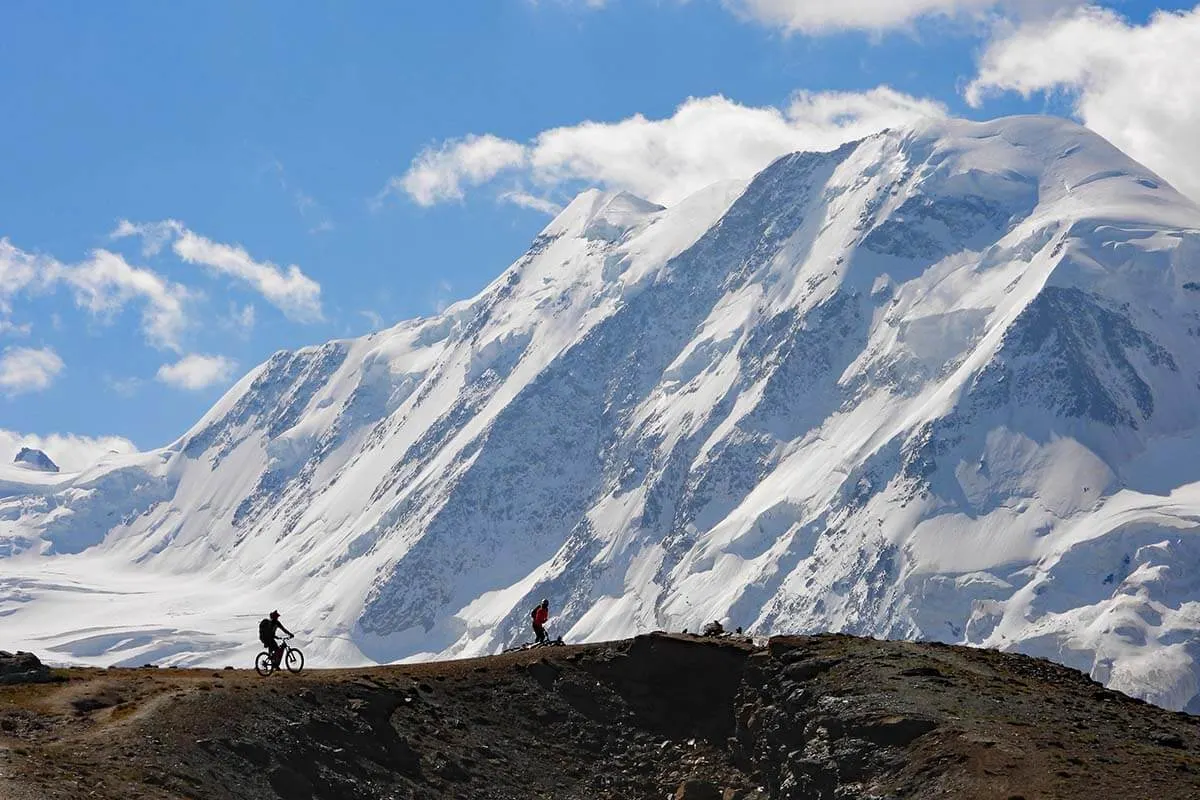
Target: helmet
point(274, 615)
point(545, 602)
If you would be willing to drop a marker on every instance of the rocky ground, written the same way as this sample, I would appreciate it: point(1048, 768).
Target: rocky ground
point(655, 717)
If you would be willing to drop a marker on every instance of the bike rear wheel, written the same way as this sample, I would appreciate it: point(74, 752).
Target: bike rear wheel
point(294, 660)
point(263, 665)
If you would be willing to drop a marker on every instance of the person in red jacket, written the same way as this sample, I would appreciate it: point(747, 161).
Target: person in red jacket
point(540, 615)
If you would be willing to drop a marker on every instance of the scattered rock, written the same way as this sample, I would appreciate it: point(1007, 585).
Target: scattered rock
point(807, 670)
point(1172, 740)
point(86, 705)
point(289, 783)
point(922, 672)
point(544, 673)
point(892, 731)
point(698, 790)
point(450, 769)
point(253, 752)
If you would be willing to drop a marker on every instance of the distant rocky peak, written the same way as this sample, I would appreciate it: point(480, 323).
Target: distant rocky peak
point(31, 458)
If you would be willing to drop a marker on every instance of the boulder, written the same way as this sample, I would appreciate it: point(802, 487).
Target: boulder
point(23, 668)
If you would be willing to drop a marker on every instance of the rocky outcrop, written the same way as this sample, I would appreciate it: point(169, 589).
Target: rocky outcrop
point(30, 458)
point(22, 667)
point(659, 716)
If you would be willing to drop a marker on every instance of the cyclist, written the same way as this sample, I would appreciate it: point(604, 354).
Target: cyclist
point(266, 634)
point(540, 615)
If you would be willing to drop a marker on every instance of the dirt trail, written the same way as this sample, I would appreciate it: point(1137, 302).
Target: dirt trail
point(655, 717)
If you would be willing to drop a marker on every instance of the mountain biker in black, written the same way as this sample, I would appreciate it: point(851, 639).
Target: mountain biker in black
point(266, 634)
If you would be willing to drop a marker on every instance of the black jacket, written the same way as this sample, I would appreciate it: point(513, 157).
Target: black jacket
point(267, 629)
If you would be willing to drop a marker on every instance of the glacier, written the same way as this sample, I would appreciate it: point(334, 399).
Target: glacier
point(940, 383)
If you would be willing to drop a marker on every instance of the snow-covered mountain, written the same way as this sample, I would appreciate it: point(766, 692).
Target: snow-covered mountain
point(943, 383)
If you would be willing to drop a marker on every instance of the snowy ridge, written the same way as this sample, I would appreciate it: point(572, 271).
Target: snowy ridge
point(941, 383)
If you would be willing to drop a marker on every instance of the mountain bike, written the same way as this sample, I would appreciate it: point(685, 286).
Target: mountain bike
point(536, 645)
point(292, 659)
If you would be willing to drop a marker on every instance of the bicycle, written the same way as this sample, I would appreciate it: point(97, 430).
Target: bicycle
point(536, 645)
point(291, 658)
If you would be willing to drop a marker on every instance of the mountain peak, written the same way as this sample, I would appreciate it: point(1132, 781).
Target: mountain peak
point(597, 214)
point(31, 458)
point(939, 383)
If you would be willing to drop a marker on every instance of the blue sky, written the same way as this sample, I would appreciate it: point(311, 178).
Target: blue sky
point(238, 139)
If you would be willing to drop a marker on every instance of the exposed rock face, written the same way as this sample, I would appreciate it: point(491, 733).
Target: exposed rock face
point(31, 458)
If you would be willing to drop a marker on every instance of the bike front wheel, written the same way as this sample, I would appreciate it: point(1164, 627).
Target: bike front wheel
point(294, 661)
point(263, 665)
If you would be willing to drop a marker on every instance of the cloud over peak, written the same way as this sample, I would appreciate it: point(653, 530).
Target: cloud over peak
point(1136, 85)
point(439, 173)
point(70, 452)
point(706, 140)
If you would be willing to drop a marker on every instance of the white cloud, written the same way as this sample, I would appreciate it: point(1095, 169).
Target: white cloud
point(828, 16)
point(304, 202)
point(125, 387)
point(443, 295)
point(155, 235)
point(815, 16)
point(18, 272)
point(195, 372)
point(25, 369)
point(532, 202)
point(439, 173)
point(104, 283)
point(824, 16)
point(241, 320)
point(1136, 85)
point(70, 452)
point(706, 140)
point(289, 290)
point(374, 319)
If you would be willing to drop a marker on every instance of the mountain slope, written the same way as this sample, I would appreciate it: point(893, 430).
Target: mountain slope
point(938, 383)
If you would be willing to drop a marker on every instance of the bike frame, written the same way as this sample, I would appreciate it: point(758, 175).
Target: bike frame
point(285, 652)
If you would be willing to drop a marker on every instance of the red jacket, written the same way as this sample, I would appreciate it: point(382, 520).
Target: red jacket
point(540, 615)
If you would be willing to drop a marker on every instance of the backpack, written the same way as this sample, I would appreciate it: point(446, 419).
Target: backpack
point(266, 630)
point(533, 614)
